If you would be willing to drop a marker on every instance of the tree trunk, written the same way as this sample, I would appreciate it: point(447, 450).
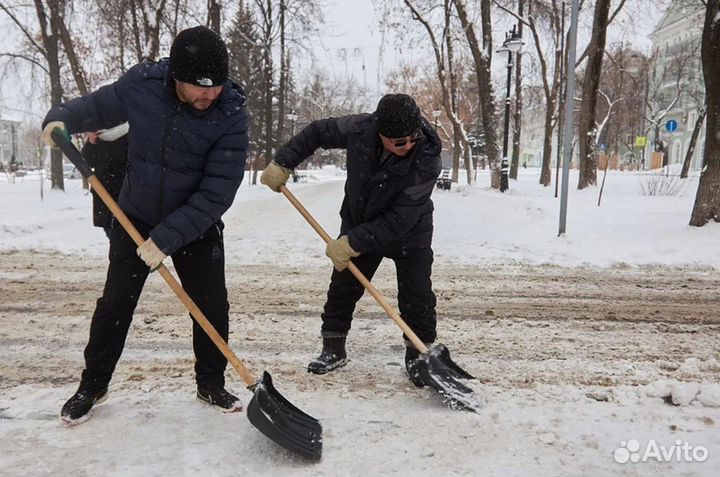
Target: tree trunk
point(549, 88)
point(59, 26)
point(482, 73)
point(448, 95)
point(213, 20)
point(693, 143)
point(545, 172)
point(707, 200)
point(136, 30)
point(586, 128)
point(50, 43)
point(268, 77)
point(282, 85)
point(517, 116)
point(452, 76)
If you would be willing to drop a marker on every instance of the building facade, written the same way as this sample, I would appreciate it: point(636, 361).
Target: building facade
point(676, 91)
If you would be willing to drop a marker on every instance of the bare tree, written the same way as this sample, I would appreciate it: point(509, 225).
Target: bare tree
point(666, 84)
point(539, 13)
point(214, 8)
point(693, 140)
point(442, 49)
point(146, 26)
point(622, 80)
point(695, 94)
point(482, 57)
point(707, 200)
point(587, 127)
point(246, 66)
point(48, 47)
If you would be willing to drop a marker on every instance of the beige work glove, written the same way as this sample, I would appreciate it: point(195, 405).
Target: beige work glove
point(340, 252)
point(46, 133)
point(275, 176)
point(151, 254)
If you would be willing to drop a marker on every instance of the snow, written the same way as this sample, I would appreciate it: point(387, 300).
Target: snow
point(378, 424)
point(520, 226)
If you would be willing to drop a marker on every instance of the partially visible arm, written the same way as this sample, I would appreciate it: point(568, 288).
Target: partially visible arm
point(100, 109)
point(89, 152)
point(327, 133)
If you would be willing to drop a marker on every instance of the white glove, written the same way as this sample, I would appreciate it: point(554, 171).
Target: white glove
point(46, 133)
point(151, 254)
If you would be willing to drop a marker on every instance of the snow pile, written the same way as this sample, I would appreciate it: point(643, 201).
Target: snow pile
point(685, 393)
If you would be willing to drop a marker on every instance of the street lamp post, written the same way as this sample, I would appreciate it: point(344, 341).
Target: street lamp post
point(513, 43)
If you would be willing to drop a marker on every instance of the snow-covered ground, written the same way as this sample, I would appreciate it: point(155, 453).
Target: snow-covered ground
point(473, 225)
point(591, 349)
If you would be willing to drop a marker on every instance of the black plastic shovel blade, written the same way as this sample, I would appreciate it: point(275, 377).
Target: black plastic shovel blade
point(443, 354)
point(439, 372)
point(283, 423)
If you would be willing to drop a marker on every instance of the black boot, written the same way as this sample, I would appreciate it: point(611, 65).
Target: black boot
point(220, 398)
point(332, 356)
point(411, 366)
point(77, 409)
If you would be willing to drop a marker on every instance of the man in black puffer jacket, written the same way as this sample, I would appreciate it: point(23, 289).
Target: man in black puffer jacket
point(187, 149)
point(393, 161)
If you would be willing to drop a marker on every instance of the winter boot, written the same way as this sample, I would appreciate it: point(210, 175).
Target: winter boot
point(411, 366)
point(332, 356)
point(220, 398)
point(77, 409)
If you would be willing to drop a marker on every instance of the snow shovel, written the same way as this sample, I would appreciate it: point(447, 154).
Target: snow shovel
point(435, 367)
point(268, 410)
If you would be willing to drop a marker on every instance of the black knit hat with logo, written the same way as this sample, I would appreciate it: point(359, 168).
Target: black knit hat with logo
point(398, 116)
point(199, 56)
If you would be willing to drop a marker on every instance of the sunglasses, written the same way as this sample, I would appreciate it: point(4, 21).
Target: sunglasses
point(402, 142)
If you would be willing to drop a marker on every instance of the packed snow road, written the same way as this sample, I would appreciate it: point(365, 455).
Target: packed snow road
point(511, 325)
point(570, 362)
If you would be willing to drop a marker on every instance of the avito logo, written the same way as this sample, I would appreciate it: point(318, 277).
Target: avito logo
point(629, 451)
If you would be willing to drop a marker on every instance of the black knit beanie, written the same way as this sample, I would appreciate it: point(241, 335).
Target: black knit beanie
point(398, 116)
point(199, 56)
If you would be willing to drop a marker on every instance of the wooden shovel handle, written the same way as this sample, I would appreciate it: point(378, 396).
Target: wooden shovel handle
point(417, 342)
point(173, 283)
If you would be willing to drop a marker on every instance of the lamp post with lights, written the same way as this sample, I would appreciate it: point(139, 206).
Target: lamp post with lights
point(513, 43)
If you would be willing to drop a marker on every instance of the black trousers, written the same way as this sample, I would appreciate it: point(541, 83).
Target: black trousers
point(201, 267)
point(415, 296)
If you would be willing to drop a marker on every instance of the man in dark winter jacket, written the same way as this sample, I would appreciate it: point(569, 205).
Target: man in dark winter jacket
point(106, 152)
point(187, 149)
point(393, 161)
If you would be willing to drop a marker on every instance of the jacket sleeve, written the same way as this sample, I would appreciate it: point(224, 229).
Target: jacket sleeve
point(101, 109)
point(224, 171)
point(330, 133)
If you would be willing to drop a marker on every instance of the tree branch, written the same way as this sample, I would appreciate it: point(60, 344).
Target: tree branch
point(26, 58)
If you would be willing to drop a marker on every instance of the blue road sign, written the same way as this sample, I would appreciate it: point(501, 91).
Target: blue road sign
point(671, 125)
